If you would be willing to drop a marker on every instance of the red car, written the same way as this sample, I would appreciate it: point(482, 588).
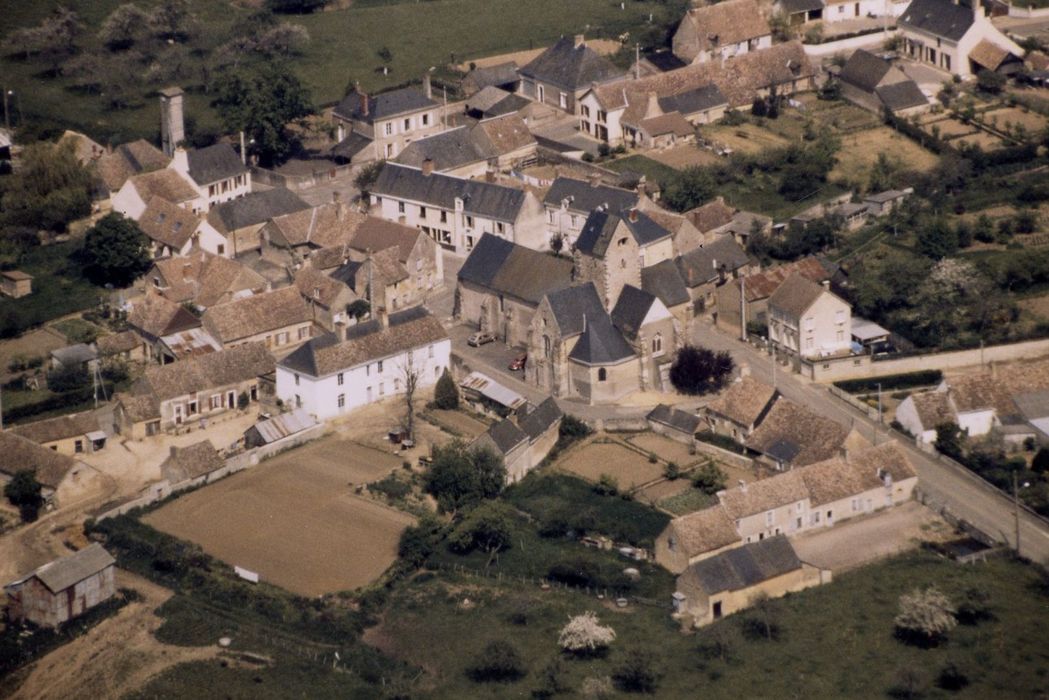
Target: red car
point(519, 362)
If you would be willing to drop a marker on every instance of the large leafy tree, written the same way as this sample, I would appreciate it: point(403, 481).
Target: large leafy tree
point(261, 100)
point(925, 616)
point(691, 188)
point(460, 477)
point(51, 188)
point(699, 370)
point(115, 251)
point(25, 493)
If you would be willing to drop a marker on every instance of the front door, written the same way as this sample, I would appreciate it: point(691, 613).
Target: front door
point(717, 610)
point(178, 414)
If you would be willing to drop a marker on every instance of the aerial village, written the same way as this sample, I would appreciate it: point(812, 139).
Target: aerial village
point(643, 354)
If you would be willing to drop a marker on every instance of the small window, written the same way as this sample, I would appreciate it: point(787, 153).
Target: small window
point(380, 366)
point(426, 119)
point(296, 380)
point(444, 217)
point(304, 333)
point(342, 400)
point(429, 352)
point(221, 249)
point(602, 374)
point(422, 212)
point(407, 124)
point(382, 389)
point(469, 221)
point(400, 207)
point(339, 379)
point(389, 128)
point(500, 227)
point(562, 100)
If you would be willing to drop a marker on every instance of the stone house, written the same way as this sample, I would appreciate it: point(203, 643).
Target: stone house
point(189, 466)
point(240, 221)
point(73, 434)
point(523, 441)
point(757, 288)
point(807, 320)
point(417, 253)
point(457, 212)
point(709, 266)
point(125, 345)
point(202, 279)
point(737, 411)
point(383, 124)
point(136, 417)
point(301, 232)
point(633, 111)
point(613, 248)
point(956, 37)
point(720, 31)
point(555, 329)
point(694, 537)
point(15, 284)
point(559, 76)
point(154, 318)
point(60, 475)
point(840, 489)
point(568, 204)
point(665, 282)
point(493, 144)
point(167, 184)
point(332, 375)
point(279, 319)
point(791, 435)
point(873, 83)
point(729, 582)
point(216, 173)
point(501, 284)
point(326, 297)
point(64, 588)
point(175, 231)
point(199, 388)
point(114, 167)
point(673, 423)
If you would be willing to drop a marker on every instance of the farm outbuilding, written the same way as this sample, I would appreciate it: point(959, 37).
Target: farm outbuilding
point(62, 589)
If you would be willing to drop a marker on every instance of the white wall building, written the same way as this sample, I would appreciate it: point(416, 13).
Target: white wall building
point(329, 376)
point(807, 320)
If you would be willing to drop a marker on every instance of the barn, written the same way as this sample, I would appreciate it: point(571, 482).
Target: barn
point(62, 589)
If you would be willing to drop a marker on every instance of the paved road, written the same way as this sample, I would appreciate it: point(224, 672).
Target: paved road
point(963, 493)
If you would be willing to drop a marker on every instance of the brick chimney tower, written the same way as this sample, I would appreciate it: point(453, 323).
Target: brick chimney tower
point(172, 126)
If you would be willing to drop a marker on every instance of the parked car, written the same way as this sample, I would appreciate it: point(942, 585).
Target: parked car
point(519, 362)
point(480, 338)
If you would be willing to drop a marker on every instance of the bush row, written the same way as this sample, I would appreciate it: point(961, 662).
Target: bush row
point(891, 382)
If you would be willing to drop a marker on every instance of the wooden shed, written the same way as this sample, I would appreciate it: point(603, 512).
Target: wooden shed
point(62, 589)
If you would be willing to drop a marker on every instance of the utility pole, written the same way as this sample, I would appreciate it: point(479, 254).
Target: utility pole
point(1016, 511)
point(637, 61)
point(877, 428)
point(742, 310)
point(7, 116)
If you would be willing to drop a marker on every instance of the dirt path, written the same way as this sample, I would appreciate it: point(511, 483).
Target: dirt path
point(116, 657)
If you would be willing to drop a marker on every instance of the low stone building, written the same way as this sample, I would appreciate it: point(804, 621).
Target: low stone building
point(790, 435)
point(673, 423)
point(694, 537)
point(738, 410)
point(62, 477)
point(15, 283)
point(523, 440)
point(728, 582)
point(73, 434)
point(280, 319)
point(63, 589)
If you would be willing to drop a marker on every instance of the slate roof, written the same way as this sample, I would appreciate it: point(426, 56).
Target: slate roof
point(569, 66)
point(382, 105)
point(795, 295)
point(486, 98)
point(506, 436)
point(168, 224)
point(793, 434)
point(674, 418)
point(630, 310)
point(601, 343)
point(791, 7)
point(480, 198)
point(354, 143)
point(214, 163)
point(703, 531)
point(586, 197)
point(541, 418)
point(184, 463)
point(448, 150)
point(726, 23)
point(501, 74)
point(864, 70)
point(902, 95)
point(206, 372)
point(941, 18)
point(693, 101)
point(21, 453)
point(571, 304)
point(157, 316)
point(744, 402)
point(663, 60)
point(59, 428)
point(255, 208)
point(501, 266)
point(601, 226)
point(665, 281)
point(366, 342)
point(76, 354)
point(258, 313)
point(701, 265)
point(60, 574)
point(747, 566)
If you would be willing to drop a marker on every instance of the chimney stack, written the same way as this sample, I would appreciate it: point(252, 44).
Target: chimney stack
point(428, 167)
point(172, 127)
point(652, 109)
point(742, 486)
point(384, 318)
point(427, 89)
point(632, 215)
point(580, 40)
point(364, 104)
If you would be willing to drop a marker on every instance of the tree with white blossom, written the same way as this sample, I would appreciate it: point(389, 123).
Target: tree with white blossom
point(584, 634)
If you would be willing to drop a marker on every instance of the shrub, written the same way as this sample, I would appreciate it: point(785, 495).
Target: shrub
point(446, 393)
point(25, 493)
point(606, 485)
point(672, 471)
point(637, 673)
point(892, 382)
point(584, 634)
point(925, 617)
point(951, 678)
point(391, 487)
point(652, 458)
point(551, 681)
point(498, 662)
point(709, 478)
point(722, 441)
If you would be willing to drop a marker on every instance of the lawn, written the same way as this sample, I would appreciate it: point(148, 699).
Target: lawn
point(343, 48)
point(643, 165)
point(666, 449)
point(860, 151)
point(623, 464)
point(688, 501)
point(59, 288)
point(836, 640)
point(295, 520)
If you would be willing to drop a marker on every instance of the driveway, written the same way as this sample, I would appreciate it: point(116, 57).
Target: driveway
point(862, 540)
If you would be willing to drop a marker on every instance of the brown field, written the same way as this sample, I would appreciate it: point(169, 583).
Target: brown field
point(683, 156)
point(36, 343)
point(295, 520)
point(1031, 121)
point(860, 151)
point(629, 468)
point(951, 127)
point(1036, 306)
point(747, 138)
point(664, 489)
point(664, 447)
point(457, 422)
point(982, 139)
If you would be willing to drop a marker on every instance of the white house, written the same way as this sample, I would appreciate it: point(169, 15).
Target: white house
point(174, 231)
point(956, 37)
point(332, 375)
point(457, 212)
point(568, 204)
point(381, 126)
point(216, 173)
point(841, 10)
point(807, 320)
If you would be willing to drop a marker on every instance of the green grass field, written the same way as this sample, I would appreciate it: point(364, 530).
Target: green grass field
point(342, 49)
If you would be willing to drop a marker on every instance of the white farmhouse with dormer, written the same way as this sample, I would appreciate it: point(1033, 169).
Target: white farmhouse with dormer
point(807, 320)
point(956, 37)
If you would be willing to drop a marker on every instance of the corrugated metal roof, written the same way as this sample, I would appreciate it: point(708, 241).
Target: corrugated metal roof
point(491, 389)
point(62, 573)
point(273, 429)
